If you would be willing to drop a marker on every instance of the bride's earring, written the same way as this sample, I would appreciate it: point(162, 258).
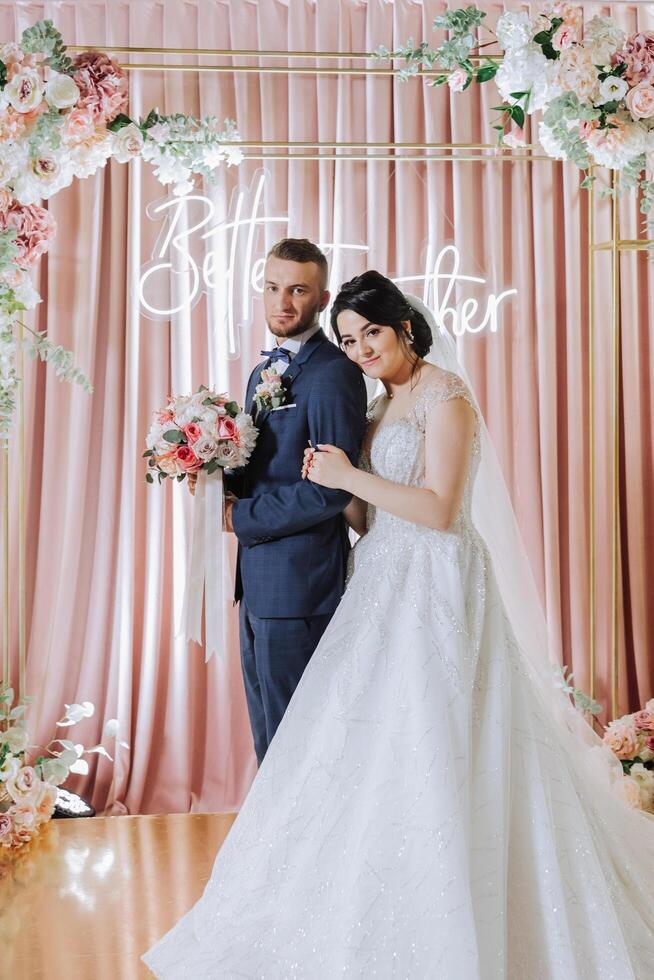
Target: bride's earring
point(410, 336)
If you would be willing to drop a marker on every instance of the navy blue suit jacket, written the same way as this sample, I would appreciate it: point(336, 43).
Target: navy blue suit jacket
point(293, 542)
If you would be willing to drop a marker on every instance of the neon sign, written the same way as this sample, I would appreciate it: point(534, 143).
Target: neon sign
point(198, 255)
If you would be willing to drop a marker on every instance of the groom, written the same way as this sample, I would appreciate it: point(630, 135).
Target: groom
point(292, 537)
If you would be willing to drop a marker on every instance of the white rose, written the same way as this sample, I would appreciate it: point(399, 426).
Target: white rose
point(25, 90)
point(128, 143)
point(612, 89)
point(61, 91)
point(25, 786)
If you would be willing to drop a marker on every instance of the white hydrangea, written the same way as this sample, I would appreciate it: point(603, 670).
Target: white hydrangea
point(87, 158)
point(549, 142)
point(514, 30)
point(526, 69)
point(603, 37)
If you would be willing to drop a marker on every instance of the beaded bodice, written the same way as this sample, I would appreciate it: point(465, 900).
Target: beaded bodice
point(396, 450)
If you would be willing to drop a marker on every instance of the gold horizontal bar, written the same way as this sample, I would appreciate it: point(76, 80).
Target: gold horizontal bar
point(390, 158)
point(278, 70)
point(250, 53)
point(293, 144)
point(625, 245)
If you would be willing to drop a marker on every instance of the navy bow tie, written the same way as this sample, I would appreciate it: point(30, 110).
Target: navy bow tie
point(278, 354)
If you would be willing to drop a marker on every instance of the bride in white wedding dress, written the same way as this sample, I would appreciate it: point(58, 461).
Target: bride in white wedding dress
point(431, 805)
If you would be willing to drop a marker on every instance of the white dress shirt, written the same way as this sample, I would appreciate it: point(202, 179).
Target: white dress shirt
point(293, 344)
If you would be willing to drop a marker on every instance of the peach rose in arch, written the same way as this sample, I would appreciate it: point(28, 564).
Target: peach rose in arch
point(640, 101)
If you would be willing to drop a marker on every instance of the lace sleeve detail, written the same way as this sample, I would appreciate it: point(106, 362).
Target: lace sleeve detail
point(372, 408)
point(442, 388)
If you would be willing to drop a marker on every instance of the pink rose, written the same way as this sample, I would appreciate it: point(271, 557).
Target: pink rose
point(102, 84)
point(649, 743)
point(586, 127)
point(79, 125)
point(563, 37)
point(622, 740)
point(227, 428)
point(643, 721)
point(187, 459)
point(457, 79)
point(192, 431)
point(35, 228)
point(640, 101)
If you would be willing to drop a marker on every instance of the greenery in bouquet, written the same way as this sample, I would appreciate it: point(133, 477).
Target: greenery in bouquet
point(29, 776)
point(591, 83)
point(631, 739)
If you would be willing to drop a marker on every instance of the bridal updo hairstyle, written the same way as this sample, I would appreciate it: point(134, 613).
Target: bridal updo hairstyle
point(379, 300)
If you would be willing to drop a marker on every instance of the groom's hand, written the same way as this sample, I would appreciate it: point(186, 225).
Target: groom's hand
point(229, 503)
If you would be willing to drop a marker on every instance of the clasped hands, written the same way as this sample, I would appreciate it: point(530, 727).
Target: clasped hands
point(326, 465)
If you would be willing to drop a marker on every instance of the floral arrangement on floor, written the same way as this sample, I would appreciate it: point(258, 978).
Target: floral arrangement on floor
point(28, 790)
point(593, 85)
point(631, 739)
point(203, 431)
point(62, 118)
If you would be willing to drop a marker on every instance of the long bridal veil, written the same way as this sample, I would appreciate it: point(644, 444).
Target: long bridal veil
point(495, 519)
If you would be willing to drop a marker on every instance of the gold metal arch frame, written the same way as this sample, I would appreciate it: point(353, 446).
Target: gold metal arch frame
point(388, 153)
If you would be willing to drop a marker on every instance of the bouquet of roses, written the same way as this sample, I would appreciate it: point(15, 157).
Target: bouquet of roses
point(203, 431)
point(631, 739)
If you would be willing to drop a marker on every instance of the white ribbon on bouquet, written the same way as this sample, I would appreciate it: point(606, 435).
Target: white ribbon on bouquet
point(205, 566)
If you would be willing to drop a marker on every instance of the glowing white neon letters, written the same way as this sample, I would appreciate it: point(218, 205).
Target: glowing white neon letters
point(175, 278)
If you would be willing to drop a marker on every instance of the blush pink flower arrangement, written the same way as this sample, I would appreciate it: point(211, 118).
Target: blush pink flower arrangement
point(28, 786)
point(631, 739)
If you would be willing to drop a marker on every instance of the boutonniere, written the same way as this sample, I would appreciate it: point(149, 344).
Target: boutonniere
point(270, 392)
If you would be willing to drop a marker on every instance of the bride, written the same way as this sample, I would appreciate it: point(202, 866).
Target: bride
point(431, 805)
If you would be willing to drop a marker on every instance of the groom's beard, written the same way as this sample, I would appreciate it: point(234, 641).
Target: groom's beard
point(295, 327)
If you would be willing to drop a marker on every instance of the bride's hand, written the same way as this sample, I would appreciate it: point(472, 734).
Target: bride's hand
point(329, 467)
point(309, 453)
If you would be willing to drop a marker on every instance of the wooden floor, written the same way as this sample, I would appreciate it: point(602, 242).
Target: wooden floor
point(89, 897)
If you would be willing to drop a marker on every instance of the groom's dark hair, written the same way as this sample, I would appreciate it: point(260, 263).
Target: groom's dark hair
point(301, 250)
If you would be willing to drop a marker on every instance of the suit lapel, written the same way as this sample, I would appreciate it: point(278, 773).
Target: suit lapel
point(290, 374)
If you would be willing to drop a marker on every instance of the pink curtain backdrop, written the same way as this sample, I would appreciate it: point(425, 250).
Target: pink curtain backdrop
point(106, 554)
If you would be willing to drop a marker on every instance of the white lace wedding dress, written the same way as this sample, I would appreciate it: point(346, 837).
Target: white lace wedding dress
point(419, 813)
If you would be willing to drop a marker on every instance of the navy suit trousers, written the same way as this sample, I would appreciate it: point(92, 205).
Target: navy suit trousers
point(274, 653)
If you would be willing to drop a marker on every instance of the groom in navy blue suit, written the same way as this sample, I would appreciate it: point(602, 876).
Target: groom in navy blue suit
point(292, 536)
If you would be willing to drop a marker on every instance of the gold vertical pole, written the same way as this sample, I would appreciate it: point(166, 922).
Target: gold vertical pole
point(21, 518)
point(615, 535)
point(6, 666)
point(591, 427)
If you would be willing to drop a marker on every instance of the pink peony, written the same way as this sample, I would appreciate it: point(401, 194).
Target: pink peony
point(102, 84)
point(12, 124)
point(187, 459)
point(622, 740)
point(640, 101)
point(35, 229)
point(192, 431)
point(570, 13)
point(227, 428)
point(575, 72)
point(643, 721)
point(638, 55)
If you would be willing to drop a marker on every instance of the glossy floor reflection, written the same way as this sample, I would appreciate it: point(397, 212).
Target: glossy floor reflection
point(92, 895)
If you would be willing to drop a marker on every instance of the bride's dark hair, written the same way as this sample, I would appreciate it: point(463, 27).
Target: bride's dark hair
point(379, 300)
